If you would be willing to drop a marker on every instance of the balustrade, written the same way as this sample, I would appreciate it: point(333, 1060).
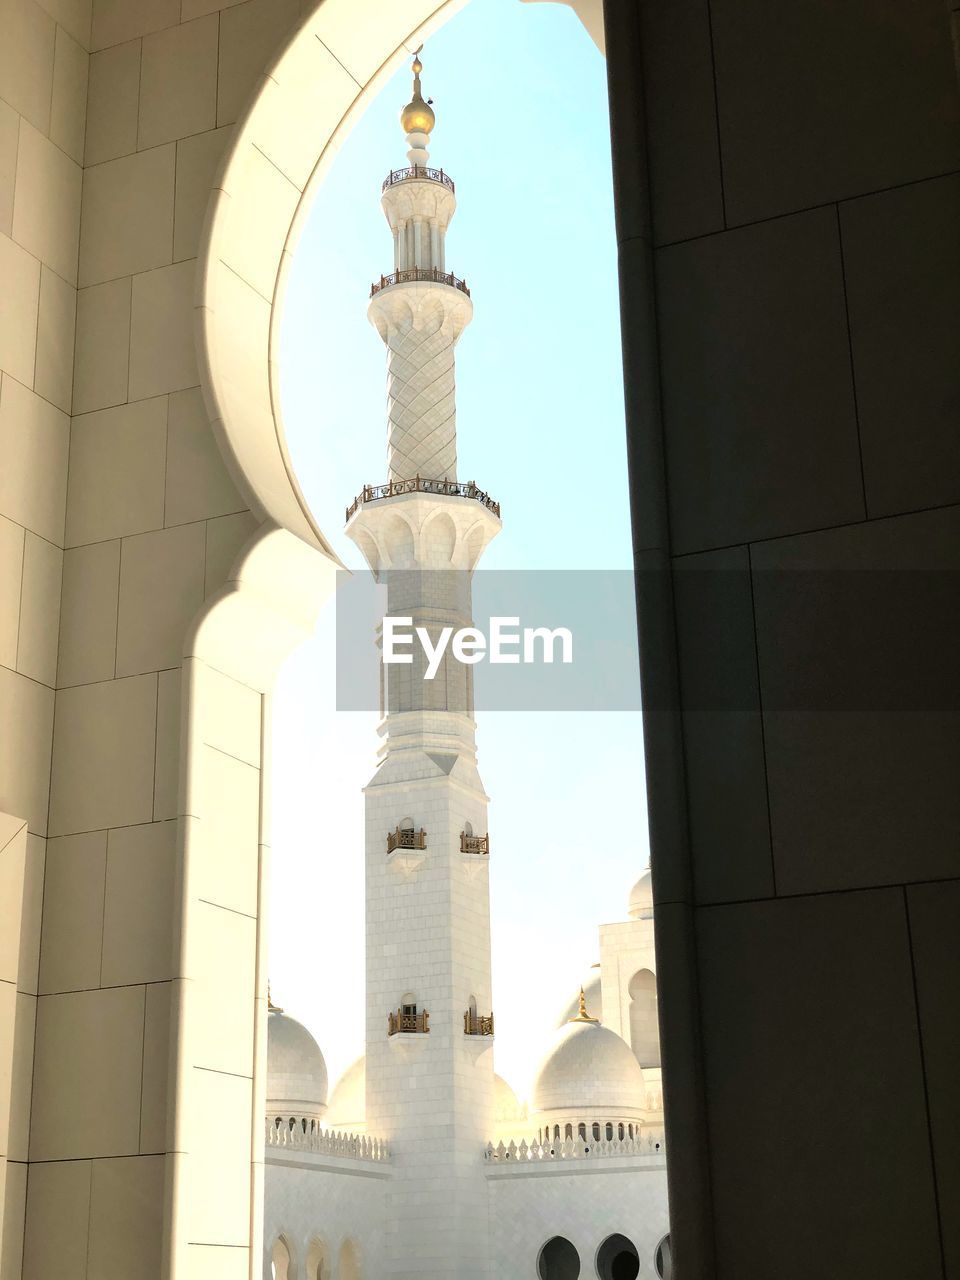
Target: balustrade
point(477, 1024)
point(419, 172)
point(406, 838)
point(445, 488)
point(407, 1023)
point(474, 844)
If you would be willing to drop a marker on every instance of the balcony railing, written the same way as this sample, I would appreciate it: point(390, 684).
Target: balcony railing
point(445, 488)
point(474, 844)
point(417, 171)
point(416, 1023)
point(406, 838)
point(408, 275)
point(309, 1136)
point(477, 1024)
point(578, 1148)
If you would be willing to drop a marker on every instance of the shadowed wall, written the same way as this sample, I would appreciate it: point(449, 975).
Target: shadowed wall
point(788, 204)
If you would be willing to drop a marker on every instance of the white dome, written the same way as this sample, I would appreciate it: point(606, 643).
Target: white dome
point(348, 1102)
point(591, 990)
point(640, 906)
point(589, 1068)
point(506, 1104)
point(296, 1071)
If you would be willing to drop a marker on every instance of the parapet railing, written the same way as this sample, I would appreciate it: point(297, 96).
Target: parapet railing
point(572, 1149)
point(417, 171)
point(292, 1134)
point(445, 488)
point(418, 1023)
point(408, 275)
point(406, 838)
point(474, 844)
point(477, 1024)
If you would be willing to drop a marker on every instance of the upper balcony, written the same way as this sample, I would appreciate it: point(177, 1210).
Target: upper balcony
point(418, 172)
point(446, 488)
point(410, 275)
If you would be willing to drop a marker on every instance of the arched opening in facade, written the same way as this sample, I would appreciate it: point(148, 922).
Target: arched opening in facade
point(349, 1268)
point(412, 1001)
point(281, 1261)
point(644, 1026)
point(617, 1259)
point(318, 1262)
point(558, 1260)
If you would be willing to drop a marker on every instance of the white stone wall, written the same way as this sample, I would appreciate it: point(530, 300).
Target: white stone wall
point(530, 1205)
point(625, 948)
point(316, 1210)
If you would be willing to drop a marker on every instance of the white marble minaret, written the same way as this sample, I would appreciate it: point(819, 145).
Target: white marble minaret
point(429, 1074)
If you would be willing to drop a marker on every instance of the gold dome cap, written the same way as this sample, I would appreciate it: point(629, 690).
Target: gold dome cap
point(417, 116)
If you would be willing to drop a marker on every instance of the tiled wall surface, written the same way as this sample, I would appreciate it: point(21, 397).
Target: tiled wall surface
point(117, 520)
point(802, 257)
point(803, 170)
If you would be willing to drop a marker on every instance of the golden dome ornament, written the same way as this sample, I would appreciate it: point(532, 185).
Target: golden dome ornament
point(417, 116)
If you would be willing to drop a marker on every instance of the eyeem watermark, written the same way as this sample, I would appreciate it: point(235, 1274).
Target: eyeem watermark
point(507, 644)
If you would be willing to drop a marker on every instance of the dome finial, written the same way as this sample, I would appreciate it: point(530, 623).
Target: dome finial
point(583, 1016)
point(417, 116)
point(271, 1007)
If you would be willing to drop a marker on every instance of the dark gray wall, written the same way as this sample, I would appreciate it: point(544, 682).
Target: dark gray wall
point(788, 189)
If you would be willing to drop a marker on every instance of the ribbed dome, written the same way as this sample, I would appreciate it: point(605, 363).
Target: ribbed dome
point(296, 1071)
point(588, 1068)
point(641, 898)
point(348, 1102)
point(592, 993)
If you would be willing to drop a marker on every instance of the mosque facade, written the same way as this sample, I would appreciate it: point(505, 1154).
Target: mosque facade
point(422, 1161)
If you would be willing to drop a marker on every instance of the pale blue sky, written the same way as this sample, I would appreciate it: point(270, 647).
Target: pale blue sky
point(520, 97)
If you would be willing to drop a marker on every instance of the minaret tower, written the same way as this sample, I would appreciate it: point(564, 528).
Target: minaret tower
point(429, 1030)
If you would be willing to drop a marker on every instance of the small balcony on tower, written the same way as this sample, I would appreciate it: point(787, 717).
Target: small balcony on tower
point(408, 1020)
point(406, 838)
point(469, 843)
point(477, 1024)
point(417, 173)
point(419, 484)
point(422, 275)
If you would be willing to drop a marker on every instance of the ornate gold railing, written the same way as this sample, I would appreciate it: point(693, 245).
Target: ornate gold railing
point(417, 171)
point(408, 1022)
point(477, 1024)
point(474, 844)
point(406, 838)
point(408, 275)
point(445, 488)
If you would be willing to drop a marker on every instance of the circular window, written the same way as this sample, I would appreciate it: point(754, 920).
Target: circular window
point(617, 1259)
point(558, 1260)
point(661, 1259)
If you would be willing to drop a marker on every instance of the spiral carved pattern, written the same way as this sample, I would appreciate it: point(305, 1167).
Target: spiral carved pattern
point(422, 420)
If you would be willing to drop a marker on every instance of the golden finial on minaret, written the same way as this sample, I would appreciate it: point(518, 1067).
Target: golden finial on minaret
point(417, 116)
point(583, 1016)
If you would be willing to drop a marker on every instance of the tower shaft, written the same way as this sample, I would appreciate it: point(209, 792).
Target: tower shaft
point(429, 1073)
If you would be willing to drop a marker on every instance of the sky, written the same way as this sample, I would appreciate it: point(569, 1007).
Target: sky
point(520, 97)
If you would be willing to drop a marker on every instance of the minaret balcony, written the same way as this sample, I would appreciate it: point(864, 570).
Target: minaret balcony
point(477, 1024)
point(406, 838)
point(411, 275)
point(474, 844)
point(418, 172)
point(401, 1023)
point(445, 488)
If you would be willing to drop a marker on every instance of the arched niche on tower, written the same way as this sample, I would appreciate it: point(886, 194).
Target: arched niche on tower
point(644, 1024)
